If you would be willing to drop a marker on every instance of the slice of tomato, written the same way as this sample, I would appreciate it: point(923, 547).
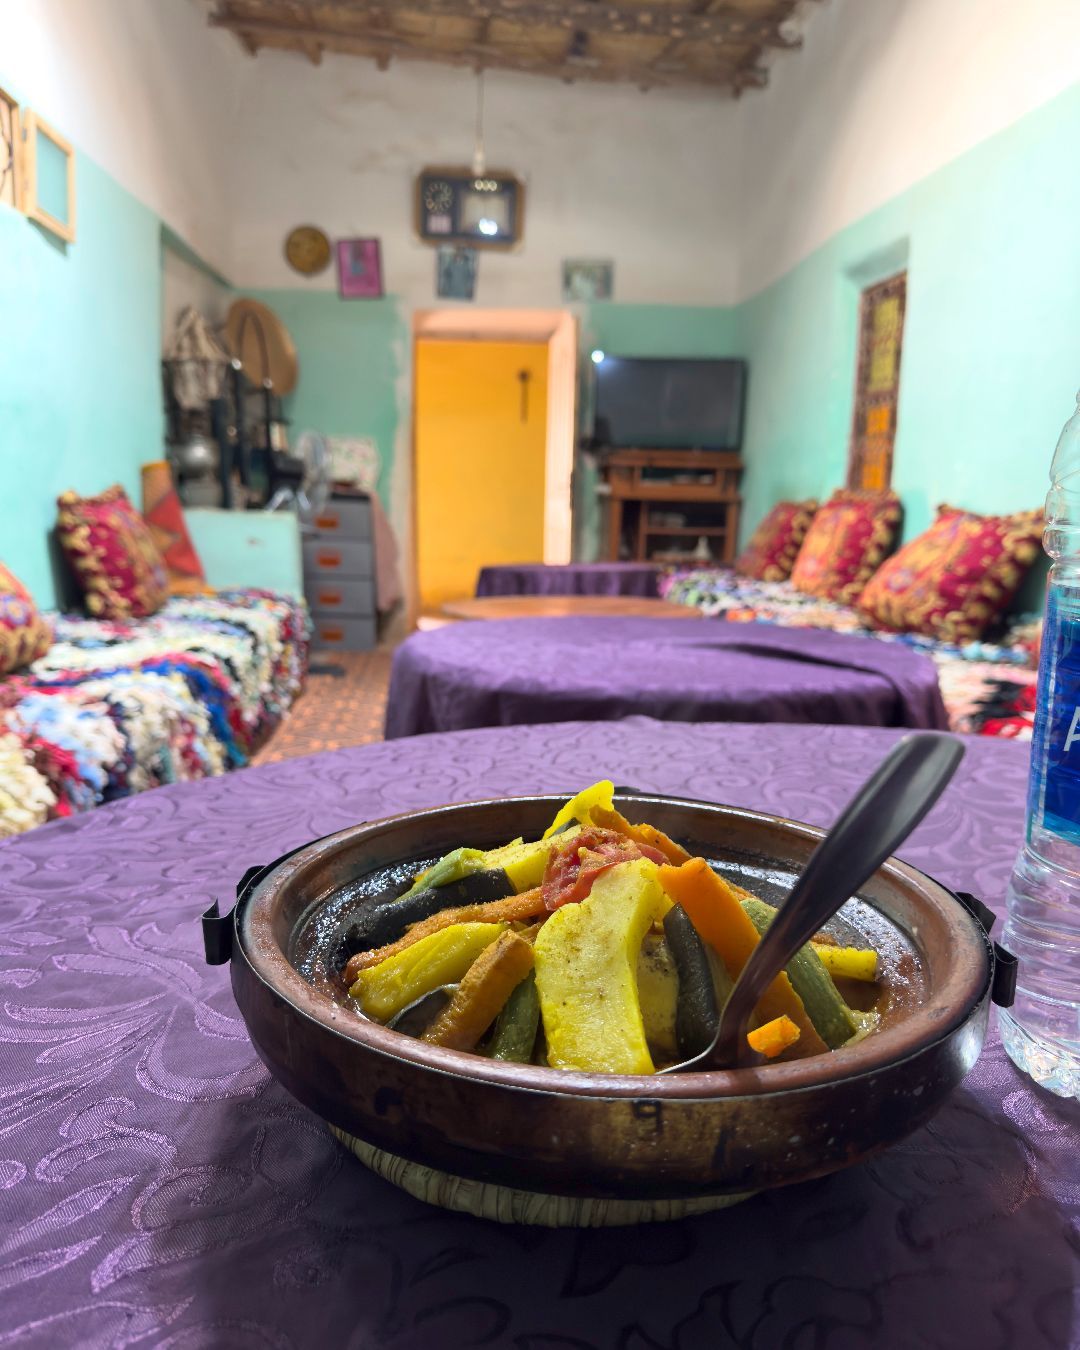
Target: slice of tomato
point(572, 869)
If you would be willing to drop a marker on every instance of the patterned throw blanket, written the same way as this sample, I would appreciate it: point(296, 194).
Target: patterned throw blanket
point(988, 687)
point(116, 708)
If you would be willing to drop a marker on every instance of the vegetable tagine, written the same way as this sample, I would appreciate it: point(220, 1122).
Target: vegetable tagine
point(603, 947)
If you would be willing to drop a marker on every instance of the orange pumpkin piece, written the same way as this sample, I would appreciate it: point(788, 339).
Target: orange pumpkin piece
point(480, 996)
point(721, 921)
point(774, 1037)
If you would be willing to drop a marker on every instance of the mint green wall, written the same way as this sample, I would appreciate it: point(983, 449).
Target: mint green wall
point(80, 389)
point(352, 354)
point(991, 354)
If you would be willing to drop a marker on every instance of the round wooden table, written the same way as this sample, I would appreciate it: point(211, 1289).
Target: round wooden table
point(566, 607)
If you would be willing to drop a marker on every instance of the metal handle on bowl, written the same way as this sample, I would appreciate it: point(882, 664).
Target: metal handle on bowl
point(1003, 980)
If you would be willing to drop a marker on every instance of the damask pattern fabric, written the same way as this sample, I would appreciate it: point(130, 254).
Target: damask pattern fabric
point(849, 538)
point(115, 708)
point(955, 579)
point(774, 545)
point(159, 1189)
point(24, 634)
point(112, 554)
point(984, 684)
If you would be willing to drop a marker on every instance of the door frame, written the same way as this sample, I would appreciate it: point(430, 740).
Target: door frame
point(558, 330)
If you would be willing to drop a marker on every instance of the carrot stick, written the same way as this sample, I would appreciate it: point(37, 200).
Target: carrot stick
point(524, 906)
point(480, 996)
point(714, 910)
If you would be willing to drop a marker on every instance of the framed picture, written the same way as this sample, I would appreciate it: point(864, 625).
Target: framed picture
point(587, 280)
point(10, 152)
point(49, 178)
point(455, 272)
point(359, 269)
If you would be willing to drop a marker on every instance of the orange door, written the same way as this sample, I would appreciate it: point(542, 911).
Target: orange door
point(481, 437)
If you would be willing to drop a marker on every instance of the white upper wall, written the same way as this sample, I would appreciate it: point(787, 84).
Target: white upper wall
point(144, 88)
point(642, 179)
point(883, 93)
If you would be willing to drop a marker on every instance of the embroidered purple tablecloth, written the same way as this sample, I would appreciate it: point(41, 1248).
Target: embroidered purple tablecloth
point(157, 1188)
point(519, 671)
point(608, 578)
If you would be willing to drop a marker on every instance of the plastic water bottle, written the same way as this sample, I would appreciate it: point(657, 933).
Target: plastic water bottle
point(1041, 1031)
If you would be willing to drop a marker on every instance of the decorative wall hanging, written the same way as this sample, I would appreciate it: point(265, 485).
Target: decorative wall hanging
point(10, 152)
point(307, 250)
point(359, 264)
point(49, 178)
point(456, 206)
point(455, 273)
point(585, 280)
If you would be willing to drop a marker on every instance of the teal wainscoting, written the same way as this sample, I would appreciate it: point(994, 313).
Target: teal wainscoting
point(991, 354)
point(80, 383)
point(353, 356)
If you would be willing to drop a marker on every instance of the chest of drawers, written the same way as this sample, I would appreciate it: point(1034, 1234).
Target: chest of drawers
point(339, 575)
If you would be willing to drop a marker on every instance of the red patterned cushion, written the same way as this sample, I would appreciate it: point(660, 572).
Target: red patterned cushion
point(24, 634)
point(952, 581)
point(774, 545)
point(112, 553)
point(850, 537)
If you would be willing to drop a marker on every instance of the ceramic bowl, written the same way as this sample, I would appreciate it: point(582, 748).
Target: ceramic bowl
point(554, 1133)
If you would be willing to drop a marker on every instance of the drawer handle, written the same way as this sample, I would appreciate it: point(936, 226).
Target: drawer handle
point(329, 597)
point(332, 634)
point(328, 559)
point(328, 522)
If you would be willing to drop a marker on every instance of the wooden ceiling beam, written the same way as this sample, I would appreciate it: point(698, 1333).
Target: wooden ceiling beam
point(680, 22)
point(382, 45)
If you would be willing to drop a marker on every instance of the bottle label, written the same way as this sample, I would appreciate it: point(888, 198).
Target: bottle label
point(1059, 744)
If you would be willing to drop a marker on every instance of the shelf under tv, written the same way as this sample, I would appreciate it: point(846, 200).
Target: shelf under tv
point(629, 493)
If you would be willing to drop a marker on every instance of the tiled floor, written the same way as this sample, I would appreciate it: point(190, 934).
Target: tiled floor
point(343, 703)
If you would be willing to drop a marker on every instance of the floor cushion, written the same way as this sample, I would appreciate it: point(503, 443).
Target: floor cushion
point(24, 634)
point(112, 553)
point(848, 539)
point(774, 545)
point(955, 579)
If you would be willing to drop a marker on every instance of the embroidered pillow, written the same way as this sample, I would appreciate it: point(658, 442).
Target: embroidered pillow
point(955, 579)
point(24, 634)
point(849, 538)
point(112, 553)
point(770, 555)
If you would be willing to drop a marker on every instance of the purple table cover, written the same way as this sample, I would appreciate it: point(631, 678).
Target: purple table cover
point(520, 671)
point(608, 578)
point(157, 1188)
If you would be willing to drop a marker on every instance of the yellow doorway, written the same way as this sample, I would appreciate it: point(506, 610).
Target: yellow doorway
point(481, 440)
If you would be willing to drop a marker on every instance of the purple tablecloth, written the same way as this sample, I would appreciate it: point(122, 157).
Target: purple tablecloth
point(158, 1188)
point(609, 578)
point(520, 671)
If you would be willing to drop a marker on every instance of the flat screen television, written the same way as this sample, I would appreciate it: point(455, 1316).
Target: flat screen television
point(679, 404)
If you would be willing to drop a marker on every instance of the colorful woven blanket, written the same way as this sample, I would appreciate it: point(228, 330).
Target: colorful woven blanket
point(116, 708)
point(988, 687)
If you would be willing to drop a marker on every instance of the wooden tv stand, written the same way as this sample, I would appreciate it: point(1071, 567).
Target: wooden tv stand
point(643, 487)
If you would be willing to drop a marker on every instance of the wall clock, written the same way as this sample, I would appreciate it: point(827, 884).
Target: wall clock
point(458, 206)
point(307, 250)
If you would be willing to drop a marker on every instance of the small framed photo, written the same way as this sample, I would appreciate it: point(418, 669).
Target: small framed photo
point(455, 272)
point(359, 264)
point(49, 178)
point(584, 279)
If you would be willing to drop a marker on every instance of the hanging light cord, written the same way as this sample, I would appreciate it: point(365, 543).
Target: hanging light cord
point(479, 163)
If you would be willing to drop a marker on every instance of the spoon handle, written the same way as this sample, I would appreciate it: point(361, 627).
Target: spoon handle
point(878, 818)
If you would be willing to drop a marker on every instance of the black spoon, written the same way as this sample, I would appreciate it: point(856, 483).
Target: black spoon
point(876, 821)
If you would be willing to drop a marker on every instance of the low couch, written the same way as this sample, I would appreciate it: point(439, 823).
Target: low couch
point(92, 709)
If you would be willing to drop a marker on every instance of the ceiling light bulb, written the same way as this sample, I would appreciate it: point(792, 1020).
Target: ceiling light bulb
point(597, 356)
point(486, 226)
